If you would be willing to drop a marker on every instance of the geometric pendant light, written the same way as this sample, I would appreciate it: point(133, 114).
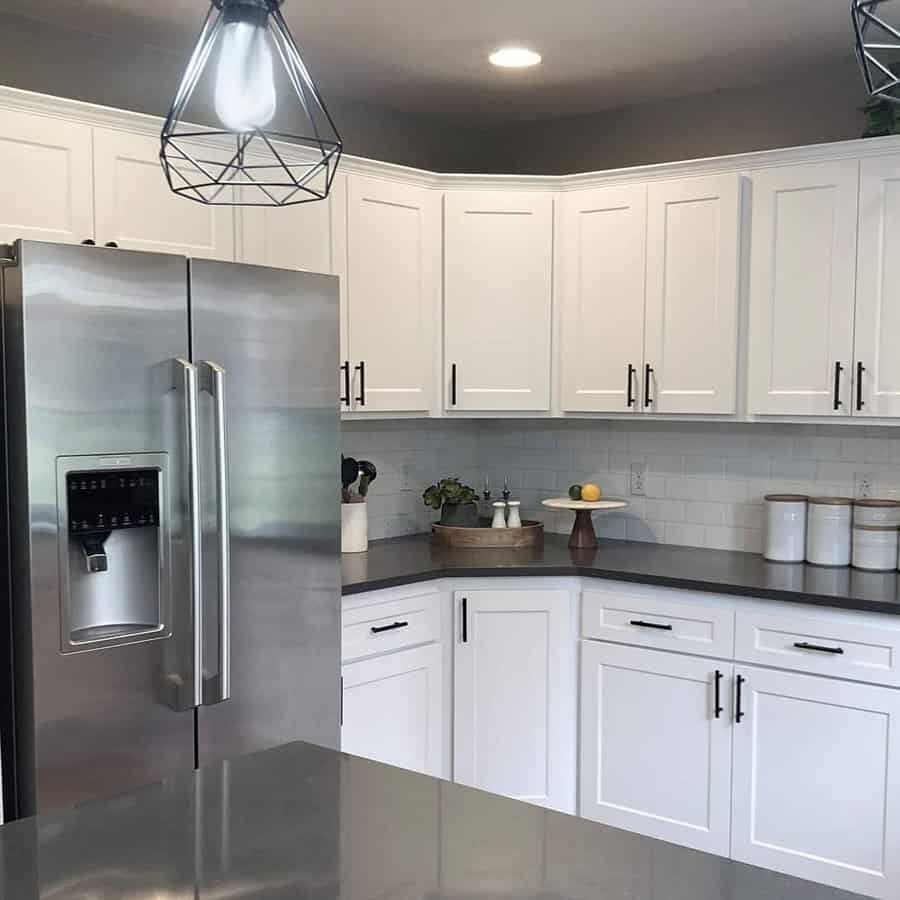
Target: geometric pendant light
point(246, 75)
point(878, 46)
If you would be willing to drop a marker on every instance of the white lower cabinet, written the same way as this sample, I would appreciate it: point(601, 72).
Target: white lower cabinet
point(817, 780)
point(393, 709)
point(514, 694)
point(656, 744)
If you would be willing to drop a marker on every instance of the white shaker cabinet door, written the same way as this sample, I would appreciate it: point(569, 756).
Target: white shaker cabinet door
point(656, 745)
point(600, 245)
point(393, 293)
point(817, 780)
point(876, 366)
point(136, 209)
point(498, 248)
point(47, 189)
point(514, 695)
point(802, 271)
point(393, 709)
point(691, 342)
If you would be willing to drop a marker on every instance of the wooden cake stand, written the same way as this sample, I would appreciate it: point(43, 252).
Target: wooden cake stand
point(583, 536)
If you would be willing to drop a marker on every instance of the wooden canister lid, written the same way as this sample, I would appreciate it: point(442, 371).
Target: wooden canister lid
point(875, 527)
point(786, 498)
point(869, 503)
point(831, 501)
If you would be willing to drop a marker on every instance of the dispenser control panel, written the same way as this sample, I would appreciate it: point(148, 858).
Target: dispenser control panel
point(104, 501)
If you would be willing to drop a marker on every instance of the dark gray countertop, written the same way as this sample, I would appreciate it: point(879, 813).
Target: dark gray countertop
point(303, 822)
point(407, 560)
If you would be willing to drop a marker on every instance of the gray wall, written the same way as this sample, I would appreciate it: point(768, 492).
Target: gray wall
point(817, 106)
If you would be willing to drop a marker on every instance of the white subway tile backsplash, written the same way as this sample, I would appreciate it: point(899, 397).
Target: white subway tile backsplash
point(704, 482)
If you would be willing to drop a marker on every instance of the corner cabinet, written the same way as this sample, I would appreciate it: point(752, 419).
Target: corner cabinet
point(498, 249)
point(393, 294)
point(802, 285)
point(514, 695)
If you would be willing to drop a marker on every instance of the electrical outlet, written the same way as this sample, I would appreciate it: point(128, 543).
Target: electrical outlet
point(638, 475)
point(863, 484)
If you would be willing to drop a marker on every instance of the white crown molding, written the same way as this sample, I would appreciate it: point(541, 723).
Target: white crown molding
point(140, 123)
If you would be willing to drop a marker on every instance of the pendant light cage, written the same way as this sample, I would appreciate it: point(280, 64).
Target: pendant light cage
point(878, 46)
point(292, 160)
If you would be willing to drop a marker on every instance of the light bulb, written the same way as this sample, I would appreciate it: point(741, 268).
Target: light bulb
point(245, 84)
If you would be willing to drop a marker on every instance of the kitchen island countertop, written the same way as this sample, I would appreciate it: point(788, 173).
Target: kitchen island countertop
point(302, 821)
point(407, 560)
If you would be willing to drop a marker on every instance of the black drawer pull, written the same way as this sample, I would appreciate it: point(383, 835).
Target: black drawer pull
point(648, 371)
point(345, 371)
point(465, 620)
point(838, 371)
point(378, 629)
point(738, 708)
point(719, 708)
point(361, 368)
point(860, 371)
point(641, 624)
point(803, 645)
point(631, 373)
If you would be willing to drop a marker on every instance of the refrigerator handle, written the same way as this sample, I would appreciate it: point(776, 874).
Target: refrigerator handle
point(212, 380)
point(189, 384)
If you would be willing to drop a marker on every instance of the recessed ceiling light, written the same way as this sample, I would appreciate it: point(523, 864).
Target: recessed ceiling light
point(515, 57)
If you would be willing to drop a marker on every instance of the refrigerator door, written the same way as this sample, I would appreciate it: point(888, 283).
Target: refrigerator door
point(97, 425)
point(274, 335)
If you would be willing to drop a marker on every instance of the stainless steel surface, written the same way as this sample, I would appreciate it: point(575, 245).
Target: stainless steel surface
point(306, 823)
point(89, 335)
point(276, 334)
point(188, 373)
point(212, 380)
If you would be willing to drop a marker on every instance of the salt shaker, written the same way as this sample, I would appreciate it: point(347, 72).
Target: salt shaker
point(499, 520)
point(513, 519)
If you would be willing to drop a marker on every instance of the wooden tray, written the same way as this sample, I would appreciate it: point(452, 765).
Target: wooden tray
point(531, 534)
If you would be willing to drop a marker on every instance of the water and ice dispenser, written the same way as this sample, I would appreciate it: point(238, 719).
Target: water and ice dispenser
point(114, 540)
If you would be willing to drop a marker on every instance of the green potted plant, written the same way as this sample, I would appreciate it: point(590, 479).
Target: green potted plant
point(455, 500)
point(354, 513)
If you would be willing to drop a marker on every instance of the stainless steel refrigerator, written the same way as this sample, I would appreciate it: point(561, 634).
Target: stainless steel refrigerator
point(172, 531)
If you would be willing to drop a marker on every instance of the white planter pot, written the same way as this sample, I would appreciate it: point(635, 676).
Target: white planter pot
point(354, 527)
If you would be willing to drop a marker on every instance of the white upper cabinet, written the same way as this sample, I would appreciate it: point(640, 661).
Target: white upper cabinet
point(498, 249)
point(393, 293)
point(817, 780)
point(46, 193)
point(876, 367)
point(691, 342)
point(802, 273)
point(600, 244)
point(136, 209)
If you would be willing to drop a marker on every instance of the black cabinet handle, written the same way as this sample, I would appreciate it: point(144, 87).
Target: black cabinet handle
point(453, 385)
point(89, 242)
point(648, 371)
point(860, 403)
point(361, 368)
point(465, 620)
point(803, 645)
point(838, 369)
point(380, 629)
point(112, 245)
point(738, 711)
point(641, 624)
point(631, 373)
point(719, 708)
point(345, 371)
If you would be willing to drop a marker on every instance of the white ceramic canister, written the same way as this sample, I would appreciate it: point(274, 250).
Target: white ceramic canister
point(881, 513)
point(785, 527)
point(828, 529)
point(354, 527)
point(874, 548)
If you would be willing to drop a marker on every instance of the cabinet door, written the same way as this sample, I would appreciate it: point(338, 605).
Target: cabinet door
point(136, 209)
point(514, 695)
point(393, 291)
point(876, 361)
point(497, 299)
point(693, 241)
point(817, 780)
point(802, 271)
point(46, 193)
point(655, 747)
point(601, 238)
point(394, 709)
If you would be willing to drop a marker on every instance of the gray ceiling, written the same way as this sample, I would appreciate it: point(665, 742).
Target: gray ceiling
point(429, 56)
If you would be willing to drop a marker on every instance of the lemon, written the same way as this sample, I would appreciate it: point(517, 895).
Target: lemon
point(575, 492)
point(590, 492)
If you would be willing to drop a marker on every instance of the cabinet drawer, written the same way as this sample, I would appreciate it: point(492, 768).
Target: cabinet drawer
point(390, 624)
point(655, 618)
point(824, 645)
